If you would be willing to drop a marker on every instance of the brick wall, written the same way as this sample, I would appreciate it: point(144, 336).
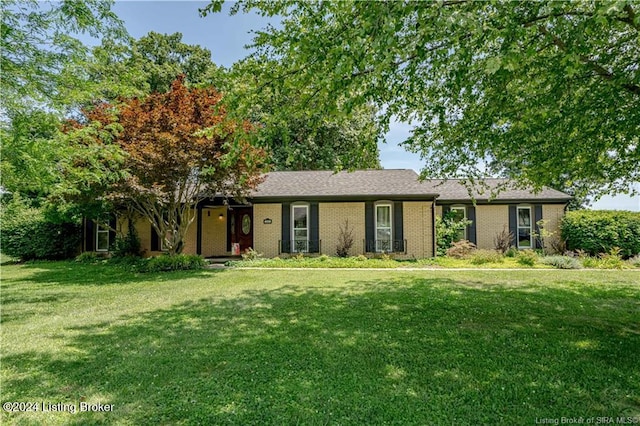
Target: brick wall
point(552, 215)
point(332, 216)
point(267, 236)
point(214, 231)
point(417, 223)
point(490, 221)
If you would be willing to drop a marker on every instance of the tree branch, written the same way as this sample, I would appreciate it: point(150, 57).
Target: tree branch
point(595, 67)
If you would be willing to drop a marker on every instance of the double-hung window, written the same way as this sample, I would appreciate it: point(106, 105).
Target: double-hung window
point(300, 229)
point(102, 238)
point(524, 228)
point(384, 240)
point(459, 215)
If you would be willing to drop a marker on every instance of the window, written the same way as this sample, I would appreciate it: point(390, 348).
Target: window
point(300, 230)
point(459, 215)
point(384, 242)
point(524, 228)
point(102, 238)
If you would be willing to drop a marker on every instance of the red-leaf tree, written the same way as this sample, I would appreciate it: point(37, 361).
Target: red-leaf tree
point(179, 149)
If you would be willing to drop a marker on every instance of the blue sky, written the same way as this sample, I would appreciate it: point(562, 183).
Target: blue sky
point(226, 37)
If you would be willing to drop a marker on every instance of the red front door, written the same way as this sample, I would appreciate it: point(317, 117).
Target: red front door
point(242, 227)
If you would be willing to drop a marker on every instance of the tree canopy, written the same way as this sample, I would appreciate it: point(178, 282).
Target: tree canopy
point(545, 92)
point(178, 148)
point(38, 40)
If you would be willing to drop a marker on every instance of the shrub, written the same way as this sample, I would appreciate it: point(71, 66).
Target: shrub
point(502, 240)
point(345, 240)
point(178, 262)
point(448, 229)
point(598, 231)
point(634, 261)
point(26, 234)
point(527, 257)
point(251, 254)
point(88, 257)
point(480, 257)
point(511, 252)
point(128, 245)
point(361, 258)
point(561, 262)
point(460, 249)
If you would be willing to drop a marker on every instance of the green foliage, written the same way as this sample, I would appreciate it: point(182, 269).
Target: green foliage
point(88, 257)
point(561, 262)
point(511, 252)
point(527, 257)
point(39, 39)
point(448, 229)
point(512, 79)
point(25, 233)
point(127, 245)
point(599, 231)
point(480, 257)
point(179, 262)
point(251, 254)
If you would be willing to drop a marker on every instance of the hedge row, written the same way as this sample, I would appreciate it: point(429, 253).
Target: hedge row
point(600, 231)
point(35, 238)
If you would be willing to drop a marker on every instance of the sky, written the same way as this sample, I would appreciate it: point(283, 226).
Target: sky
point(226, 36)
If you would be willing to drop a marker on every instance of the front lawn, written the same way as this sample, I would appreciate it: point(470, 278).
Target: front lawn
point(319, 347)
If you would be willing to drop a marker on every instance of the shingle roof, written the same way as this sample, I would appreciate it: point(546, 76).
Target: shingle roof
point(389, 183)
point(359, 183)
point(455, 190)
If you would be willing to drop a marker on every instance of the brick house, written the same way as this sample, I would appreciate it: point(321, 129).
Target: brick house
point(387, 211)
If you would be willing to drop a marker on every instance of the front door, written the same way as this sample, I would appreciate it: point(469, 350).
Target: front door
point(242, 227)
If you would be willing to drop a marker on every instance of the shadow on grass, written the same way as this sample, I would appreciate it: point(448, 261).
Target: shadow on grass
point(73, 273)
point(416, 351)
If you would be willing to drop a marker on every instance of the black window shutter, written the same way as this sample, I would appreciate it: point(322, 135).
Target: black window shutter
point(229, 213)
point(89, 233)
point(112, 231)
point(513, 225)
point(398, 229)
point(471, 228)
point(314, 229)
point(286, 228)
point(369, 227)
point(445, 210)
point(537, 216)
point(155, 240)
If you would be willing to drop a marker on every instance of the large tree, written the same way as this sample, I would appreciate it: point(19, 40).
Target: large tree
point(303, 138)
point(178, 148)
point(38, 40)
point(542, 91)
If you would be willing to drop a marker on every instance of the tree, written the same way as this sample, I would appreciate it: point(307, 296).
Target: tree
point(540, 91)
point(37, 42)
point(178, 149)
point(135, 68)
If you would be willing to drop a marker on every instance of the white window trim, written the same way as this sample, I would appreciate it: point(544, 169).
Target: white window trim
point(518, 227)
point(464, 217)
point(101, 229)
point(390, 205)
point(294, 229)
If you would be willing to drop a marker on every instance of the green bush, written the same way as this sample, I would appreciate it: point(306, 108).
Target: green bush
point(480, 257)
point(611, 260)
point(179, 262)
point(561, 262)
point(128, 245)
point(448, 230)
point(88, 257)
point(599, 231)
point(26, 234)
point(527, 257)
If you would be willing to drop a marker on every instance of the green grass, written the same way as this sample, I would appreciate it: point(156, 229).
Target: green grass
point(319, 347)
